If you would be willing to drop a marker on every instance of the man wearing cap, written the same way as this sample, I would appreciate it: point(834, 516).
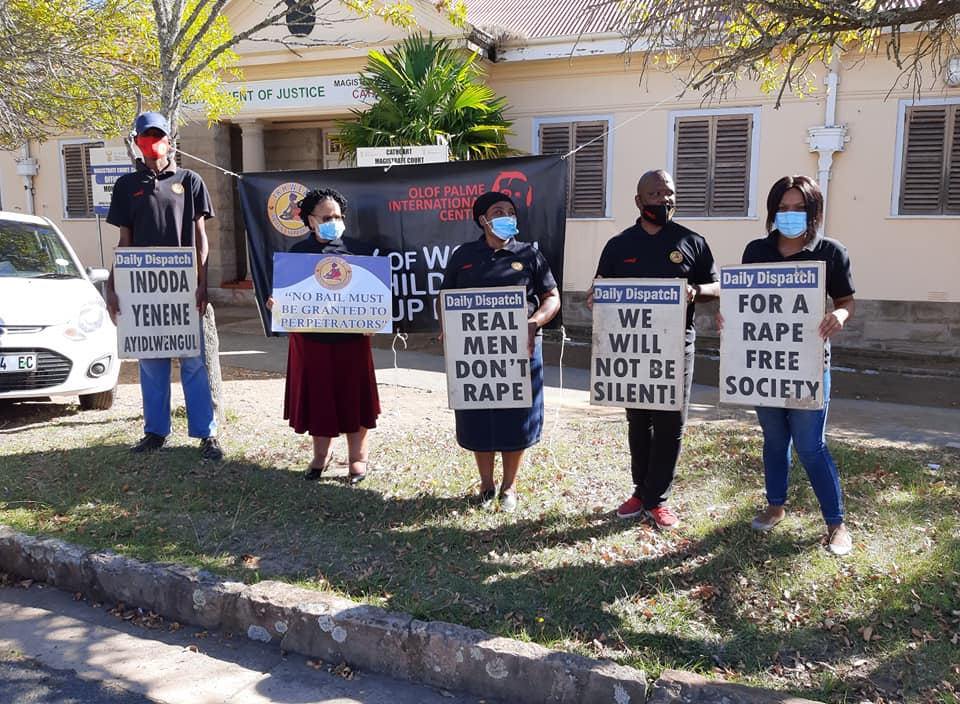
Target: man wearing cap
point(658, 247)
point(160, 205)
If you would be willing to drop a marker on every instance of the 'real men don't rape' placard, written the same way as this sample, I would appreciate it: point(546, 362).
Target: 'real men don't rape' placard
point(771, 353)
point(485, 347)
point(637, 359)
point(331, 293)
point(157, 291)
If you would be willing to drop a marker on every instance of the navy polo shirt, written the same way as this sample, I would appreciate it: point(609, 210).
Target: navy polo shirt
point(161, 208)
point(839, 282)
point(476, 265)
point(311, 245)
point(674, 252)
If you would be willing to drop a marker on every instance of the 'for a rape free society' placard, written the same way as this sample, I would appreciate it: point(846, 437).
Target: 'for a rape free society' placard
point(157, 290)
point(331, 293)
point(771, 353)
point(485, 347)
point(638, 338)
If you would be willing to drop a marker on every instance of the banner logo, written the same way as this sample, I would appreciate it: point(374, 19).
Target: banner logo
point(333, 273)
point(283, 210)
point(515, 185)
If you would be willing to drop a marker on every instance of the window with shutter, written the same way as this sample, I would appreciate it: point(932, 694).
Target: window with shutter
point(76, 178)
point(711, 166)
point(930, 180)
point(587, 169)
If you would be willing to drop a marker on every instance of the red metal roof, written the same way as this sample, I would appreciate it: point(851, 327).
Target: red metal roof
point(533, 19)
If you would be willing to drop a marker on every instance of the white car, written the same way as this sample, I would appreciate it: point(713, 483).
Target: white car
point(56, 337)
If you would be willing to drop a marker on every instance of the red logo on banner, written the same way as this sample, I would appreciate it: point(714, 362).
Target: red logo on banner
point(515, 185)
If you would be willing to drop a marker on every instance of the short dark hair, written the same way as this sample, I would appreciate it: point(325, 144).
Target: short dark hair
point(313, 197)
point(812, 198)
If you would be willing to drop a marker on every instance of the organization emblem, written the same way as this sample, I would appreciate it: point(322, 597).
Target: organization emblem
point(283, 211)
point(676, 256)
point(333, 273)
point(177, 188)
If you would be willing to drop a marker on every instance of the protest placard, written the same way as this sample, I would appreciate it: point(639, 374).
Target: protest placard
point(157, 290)
point(637, 359)
point(331, 293)
point(771, 353)
point(485, 347)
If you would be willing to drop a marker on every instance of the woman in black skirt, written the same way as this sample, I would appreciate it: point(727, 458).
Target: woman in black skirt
point(331, 386)
point(497, 258)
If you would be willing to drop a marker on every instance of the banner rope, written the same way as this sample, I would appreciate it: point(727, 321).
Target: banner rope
point(228, 172)
point(402, 336)
point(622, 124)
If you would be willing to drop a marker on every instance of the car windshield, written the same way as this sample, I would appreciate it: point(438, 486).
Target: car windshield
point(33, 251)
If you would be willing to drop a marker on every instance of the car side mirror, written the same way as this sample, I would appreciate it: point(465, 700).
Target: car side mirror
point(97, 275)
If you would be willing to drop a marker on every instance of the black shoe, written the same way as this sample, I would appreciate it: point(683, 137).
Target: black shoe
point(313, 473)
point(210, 449)
point(151, 442)
point(356, 478)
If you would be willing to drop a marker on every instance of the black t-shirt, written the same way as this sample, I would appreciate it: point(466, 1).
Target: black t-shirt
point(476, 265)
point(160, 209)
point(839, 281)
point(674, 252)
point(311, 245)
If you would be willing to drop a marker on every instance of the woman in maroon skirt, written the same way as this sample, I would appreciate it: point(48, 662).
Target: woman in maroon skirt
point(331, 386)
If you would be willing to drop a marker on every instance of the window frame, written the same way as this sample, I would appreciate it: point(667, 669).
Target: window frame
point(608, 158)
point(896, 186)
point(752, 176)
point(93, 144)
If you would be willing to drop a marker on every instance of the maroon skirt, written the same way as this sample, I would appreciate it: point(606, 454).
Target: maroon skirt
point(331, 386)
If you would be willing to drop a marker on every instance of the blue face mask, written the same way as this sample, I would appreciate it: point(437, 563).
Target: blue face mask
point(505, 227)
point(331, 230)
point(791, 223)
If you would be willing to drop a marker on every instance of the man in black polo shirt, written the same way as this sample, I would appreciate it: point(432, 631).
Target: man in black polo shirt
point(160, 205)
point(657, 247)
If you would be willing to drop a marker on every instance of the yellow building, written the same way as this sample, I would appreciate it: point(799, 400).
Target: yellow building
point(889, 160)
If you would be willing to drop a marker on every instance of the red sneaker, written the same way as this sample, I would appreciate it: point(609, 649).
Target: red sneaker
point(630, 508)
point(664, 517)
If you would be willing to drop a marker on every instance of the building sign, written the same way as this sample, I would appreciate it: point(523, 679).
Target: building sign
point(402, 156)
point(313, 92)
point(485, 347)
point(107, 164)
point(771, 353)
point(331, 293)
point(158, 304)
point(638, 340)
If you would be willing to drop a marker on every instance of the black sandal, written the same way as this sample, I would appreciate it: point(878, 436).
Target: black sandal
point(359, 477)
point(314, 473)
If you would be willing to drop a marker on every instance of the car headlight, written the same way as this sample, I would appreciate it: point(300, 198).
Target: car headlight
point(90, 319)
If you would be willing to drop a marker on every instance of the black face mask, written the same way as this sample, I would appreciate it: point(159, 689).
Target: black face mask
point(657, 214)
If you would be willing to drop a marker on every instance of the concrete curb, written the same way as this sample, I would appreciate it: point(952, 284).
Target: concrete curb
point(328, 627)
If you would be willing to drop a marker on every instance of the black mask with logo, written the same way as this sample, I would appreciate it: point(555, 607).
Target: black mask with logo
point(657, 214)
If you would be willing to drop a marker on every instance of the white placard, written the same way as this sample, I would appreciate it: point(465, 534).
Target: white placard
point(158, 305)
point(771, 353)
point(403, 156)
point(639, 328)
point(485, 347)
point(107, 164)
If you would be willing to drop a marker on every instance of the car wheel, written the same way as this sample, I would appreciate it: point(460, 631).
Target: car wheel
point(97, 402)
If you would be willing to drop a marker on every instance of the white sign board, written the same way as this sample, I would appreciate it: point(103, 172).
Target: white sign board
point(107, 164)
point(308, 92)
point(158, 305)
point(771, 353)
point(485, 347)
point(403, 156)
point(331, 293)
point(637, 359)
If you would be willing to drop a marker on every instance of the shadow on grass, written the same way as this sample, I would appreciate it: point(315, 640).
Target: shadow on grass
point(709, 599)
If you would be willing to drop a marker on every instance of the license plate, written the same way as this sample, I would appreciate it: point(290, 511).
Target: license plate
point(18, 363)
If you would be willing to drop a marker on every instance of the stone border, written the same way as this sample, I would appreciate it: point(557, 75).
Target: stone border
point(328, 627)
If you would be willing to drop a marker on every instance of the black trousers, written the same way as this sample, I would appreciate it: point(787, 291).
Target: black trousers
point(655, 439)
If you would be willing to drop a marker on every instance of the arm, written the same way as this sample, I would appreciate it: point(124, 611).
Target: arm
point(547, 311)
point(833, 322)
point(703, 292)
point(113, 302)
point(203, 250)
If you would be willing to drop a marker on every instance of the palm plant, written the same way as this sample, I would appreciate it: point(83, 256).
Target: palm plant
point(427, 92)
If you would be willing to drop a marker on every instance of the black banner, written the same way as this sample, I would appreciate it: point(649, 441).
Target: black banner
point(416, 215)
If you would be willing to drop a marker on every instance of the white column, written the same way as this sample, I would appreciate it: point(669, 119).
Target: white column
point(251, 133)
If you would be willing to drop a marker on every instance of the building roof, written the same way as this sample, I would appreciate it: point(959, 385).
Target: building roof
point(538, 19)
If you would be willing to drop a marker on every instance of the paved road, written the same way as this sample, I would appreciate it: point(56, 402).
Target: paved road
point(54, 650)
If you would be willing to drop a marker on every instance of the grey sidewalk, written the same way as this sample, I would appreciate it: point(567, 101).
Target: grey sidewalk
point(242, 344)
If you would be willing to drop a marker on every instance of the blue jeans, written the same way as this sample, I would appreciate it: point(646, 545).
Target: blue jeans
point(805, 431)
point(155, 388)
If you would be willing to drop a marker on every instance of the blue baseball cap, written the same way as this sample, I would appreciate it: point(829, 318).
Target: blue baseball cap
point(146, 120)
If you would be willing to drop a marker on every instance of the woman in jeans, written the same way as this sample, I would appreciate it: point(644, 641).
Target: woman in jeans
point(794, 217)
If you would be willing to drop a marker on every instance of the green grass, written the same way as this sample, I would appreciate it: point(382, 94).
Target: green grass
point(772, 610)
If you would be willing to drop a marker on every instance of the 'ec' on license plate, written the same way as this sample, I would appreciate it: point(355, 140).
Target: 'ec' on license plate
point(18, 363)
